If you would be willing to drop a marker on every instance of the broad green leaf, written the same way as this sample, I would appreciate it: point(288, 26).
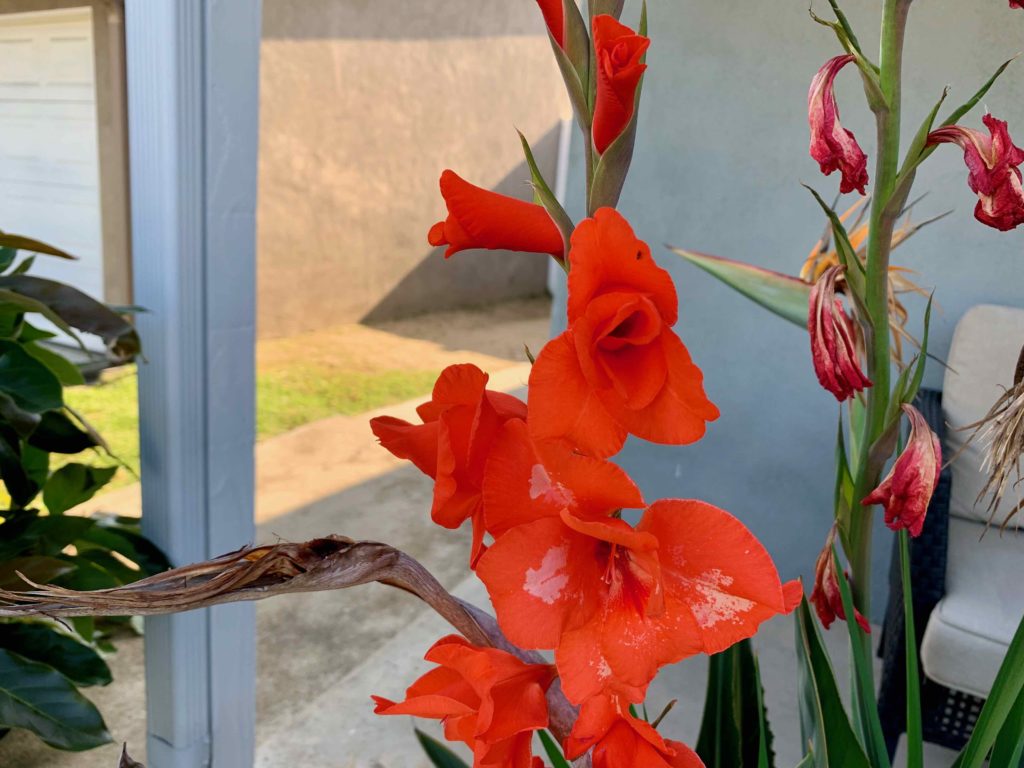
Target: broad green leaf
point(440, 756)
point(42, 535)
point(57, 433)
point(21, 243)
point(66, 371)
point(552, 750)
point(863, 680)
point(18, 483)
point(15, 300)
point(123, 535)
point(79, 311)
point(30, 383)
point(547, 197)
point(38, 698)
point(21, 421)
point(7, 256)
point(734, 732)
point(88, 575)
point(784, 295)
point(1000, 702)
point(824, 723)
point(1008, 750)
point(74, 484)
point(48, 644)
point(36, 568)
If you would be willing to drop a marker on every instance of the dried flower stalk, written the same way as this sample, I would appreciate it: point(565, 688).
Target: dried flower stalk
point(256, 573)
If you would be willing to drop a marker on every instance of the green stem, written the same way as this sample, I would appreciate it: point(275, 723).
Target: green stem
point(915, 740)
point(884, 211)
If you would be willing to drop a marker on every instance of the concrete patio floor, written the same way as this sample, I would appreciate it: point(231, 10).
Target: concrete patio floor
point(321, 655)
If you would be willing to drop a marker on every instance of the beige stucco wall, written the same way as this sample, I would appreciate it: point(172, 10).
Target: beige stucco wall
point(363, 103)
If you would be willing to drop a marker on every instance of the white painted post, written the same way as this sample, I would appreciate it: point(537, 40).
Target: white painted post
point(193, 76)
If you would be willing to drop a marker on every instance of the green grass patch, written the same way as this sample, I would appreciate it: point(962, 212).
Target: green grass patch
point(286, 398)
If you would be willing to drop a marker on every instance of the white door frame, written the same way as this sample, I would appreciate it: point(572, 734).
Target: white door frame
point(193, 76)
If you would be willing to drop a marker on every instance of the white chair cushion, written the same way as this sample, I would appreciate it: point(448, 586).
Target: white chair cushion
point(982, 359)
point(971, 627)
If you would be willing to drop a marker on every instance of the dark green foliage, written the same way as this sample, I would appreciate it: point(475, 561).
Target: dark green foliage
point(42, 663)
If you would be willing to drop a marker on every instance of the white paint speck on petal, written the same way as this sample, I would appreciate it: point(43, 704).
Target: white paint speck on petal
point(547, 582)
point(714, 604)
point(541, 487)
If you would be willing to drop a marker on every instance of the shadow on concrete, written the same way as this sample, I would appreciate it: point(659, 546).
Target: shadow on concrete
point(474, 278)
point(399, 19)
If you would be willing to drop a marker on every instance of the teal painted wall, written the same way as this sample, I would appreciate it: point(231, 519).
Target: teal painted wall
point(721, 152)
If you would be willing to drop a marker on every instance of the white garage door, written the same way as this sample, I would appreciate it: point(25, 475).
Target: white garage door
point(49, 167)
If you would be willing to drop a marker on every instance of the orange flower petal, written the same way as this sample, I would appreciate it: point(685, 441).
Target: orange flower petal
point(678, 415)
point(716, 569)
point(414, 442)
point(563, 405)
point(607, 256)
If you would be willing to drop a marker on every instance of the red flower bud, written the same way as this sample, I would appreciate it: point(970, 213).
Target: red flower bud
point(908, 488)
point(826, 596)
point(554, 16)
point(994, 173)
point(619, 51)
point(834, 147)
point(833, 333)
point(479, 218)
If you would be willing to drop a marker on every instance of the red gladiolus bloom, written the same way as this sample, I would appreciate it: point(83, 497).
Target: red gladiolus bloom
point(834, 147)
point(527, 480)
point(995, 176)
point(619, 52)
point(834, 348)
point(618, 602)
point(479, 218)
point(452, 444)
point(1017, 3)
point(554, 16)
point(620, 740)
point(907, 489)
point(486, 698)
point(619, 368)
point(826, 596)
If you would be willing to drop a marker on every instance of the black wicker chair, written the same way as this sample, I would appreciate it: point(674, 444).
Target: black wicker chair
point(948, 715)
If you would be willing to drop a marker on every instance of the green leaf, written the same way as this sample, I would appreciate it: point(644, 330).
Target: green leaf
point(24, 266)
point(66, 372)
point(21, 243)
point(1008, 750)
point(440, 756)
point(49, 645)
point(30, 383)
point(38, 698)
point(784, 295)
point(21, 421)
point(551, 749)
point(57, 433)
point(863, 680)
point(20, 486)
point(12, 299)
point(547, 197)
point(122, 535)
point(609, 7)
point(1000, 703)
point(37, 569)
point(7, 256)
point(972, 102)
point(79, 311)
point(824, 723)
point(47, 535)
point(734, 732)
point(74, 484)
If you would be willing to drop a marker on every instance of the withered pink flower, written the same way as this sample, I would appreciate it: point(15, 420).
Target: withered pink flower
point(907, 489)
point(834, 147)
point(826, 595)
point(833, 333)
point(993, 162)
